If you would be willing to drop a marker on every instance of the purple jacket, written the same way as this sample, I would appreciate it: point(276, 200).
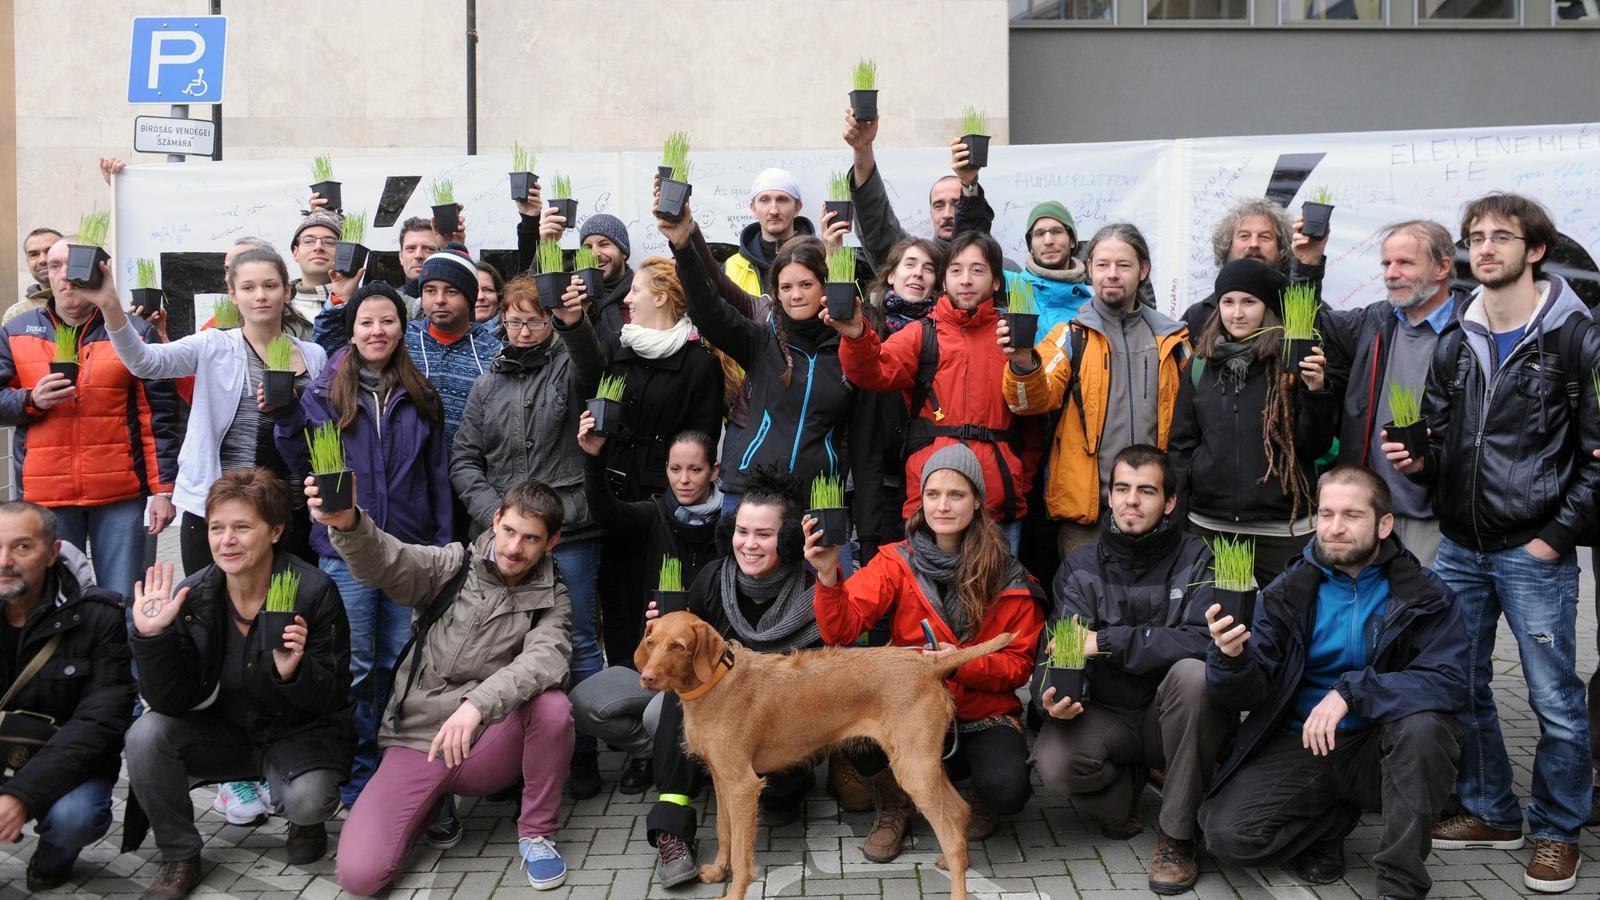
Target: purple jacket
point(402, 476)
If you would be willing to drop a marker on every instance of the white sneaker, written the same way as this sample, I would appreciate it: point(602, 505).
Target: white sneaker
point(242, 802)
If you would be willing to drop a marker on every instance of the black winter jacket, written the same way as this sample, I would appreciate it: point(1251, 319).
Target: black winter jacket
point(1145, 598)
point(297, 725)
point(1510, 452)
point(1416, 658)
point(85, 686)
point(663, 397)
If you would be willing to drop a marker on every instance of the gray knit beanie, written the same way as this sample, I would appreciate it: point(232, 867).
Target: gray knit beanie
point(959, 458)
point(609, 227)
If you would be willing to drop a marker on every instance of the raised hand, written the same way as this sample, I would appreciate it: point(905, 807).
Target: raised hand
point(154, 605)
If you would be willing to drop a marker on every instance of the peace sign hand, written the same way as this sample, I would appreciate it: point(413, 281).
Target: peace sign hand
point(154, 604)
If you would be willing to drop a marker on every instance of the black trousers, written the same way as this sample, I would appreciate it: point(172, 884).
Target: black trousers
point(679, 773)
point(995, 758)
point(1285, 798)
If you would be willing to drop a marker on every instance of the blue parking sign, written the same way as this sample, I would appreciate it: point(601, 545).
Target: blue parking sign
point(177, 60)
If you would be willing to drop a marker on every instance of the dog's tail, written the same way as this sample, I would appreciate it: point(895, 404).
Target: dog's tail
point(955, 660)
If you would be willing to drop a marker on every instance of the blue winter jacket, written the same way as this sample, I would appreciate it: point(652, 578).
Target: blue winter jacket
point(1058, 301)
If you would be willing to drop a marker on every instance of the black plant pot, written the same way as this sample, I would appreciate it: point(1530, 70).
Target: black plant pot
point(331, 192)
point(1069, 683)
point(337, 490)
point(148, 300)
point(349, 257)
point(521, 184)
point(1239, 604)
point(1414, 436)
point(1295, 351)
point(674, 194)
point(551, 286)
point(591, 282)
point(607, 416)
point(864, 105)
point(664, 172)
point(977, 149)
point(69, 369)
point(83, 265)
point(1024, 329)
point(833, 523)
point(1317, 216)
point(841, 297)
point(843, 210)
point(272, 626)
point(567, 208)
point(670, 601)
point(277, 388)
point(447, 219)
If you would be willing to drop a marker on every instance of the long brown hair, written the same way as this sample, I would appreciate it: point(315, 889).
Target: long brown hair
point(880, 282)
point(344, 386)
point(1268, 342)
point(985, 563)
point(804, 250)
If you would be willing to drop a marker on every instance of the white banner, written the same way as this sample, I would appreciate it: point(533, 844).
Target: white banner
point(1175, 191)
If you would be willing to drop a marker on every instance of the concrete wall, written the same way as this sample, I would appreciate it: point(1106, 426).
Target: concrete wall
point(376, 77)
point(1116, 84)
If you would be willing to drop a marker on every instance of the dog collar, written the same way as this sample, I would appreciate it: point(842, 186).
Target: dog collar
point(724, 666)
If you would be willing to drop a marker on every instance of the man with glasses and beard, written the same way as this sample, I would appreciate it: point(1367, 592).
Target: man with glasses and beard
point(1352, 671)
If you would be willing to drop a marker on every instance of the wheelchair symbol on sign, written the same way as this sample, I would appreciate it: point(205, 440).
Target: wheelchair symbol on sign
point(197, 87)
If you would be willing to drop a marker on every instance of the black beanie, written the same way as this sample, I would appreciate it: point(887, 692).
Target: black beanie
point(372, 289)
point(1255, 278)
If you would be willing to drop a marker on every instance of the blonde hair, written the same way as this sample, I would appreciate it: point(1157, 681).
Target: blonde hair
point(663, 274)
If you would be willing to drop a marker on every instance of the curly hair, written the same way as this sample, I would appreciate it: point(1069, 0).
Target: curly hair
point(1222, 235)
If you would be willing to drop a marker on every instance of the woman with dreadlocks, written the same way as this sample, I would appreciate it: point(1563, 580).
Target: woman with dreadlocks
point(1246, 433)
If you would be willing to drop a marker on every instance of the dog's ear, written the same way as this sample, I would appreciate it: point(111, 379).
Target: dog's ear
point(708, 646)
point(641, 653)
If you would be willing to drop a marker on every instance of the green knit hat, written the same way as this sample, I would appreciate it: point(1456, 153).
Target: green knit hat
point(1050, 209)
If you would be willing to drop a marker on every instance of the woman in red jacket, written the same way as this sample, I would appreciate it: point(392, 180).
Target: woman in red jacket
point(954, 572)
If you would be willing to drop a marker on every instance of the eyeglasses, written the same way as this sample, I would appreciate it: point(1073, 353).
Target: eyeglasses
point(1498, 238)
point(1047, 233)
point(314, 241)
point(529, 325)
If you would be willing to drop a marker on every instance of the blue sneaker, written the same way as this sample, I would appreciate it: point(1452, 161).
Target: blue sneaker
point(544, 865)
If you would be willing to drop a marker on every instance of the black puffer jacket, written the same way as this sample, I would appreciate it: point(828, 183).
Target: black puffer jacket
point(1510, 451)
point(663, 397)
point(1145, 598)
point(85, 686)
point(299, 724)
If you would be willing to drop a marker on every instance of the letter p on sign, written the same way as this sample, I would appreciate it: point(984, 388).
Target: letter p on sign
point(159, 41)
point(177, 60)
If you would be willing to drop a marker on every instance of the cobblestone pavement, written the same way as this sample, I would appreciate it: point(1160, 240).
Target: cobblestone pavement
point(1044, 853)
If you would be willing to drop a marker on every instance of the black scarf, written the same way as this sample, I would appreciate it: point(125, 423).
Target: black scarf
point(939, 568)
point(522, 360)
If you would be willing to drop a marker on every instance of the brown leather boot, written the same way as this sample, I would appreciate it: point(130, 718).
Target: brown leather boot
point(1173, 869)
point(888, 834)
point(847, 786)
point(175, 879)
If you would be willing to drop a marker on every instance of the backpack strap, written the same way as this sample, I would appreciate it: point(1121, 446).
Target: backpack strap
point(1078, 341)
point(927, 366)
point(422, 623)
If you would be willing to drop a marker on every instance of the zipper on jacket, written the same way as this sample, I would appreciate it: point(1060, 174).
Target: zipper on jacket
point(805, 404)
point(755, 442)
point(1238, 454)
point(1483, 421)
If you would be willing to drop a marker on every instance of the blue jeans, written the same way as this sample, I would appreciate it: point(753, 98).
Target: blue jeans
point(579, 562)
point(1540, 602)
point(379, 629)
point(81, 817)
point(112, 535)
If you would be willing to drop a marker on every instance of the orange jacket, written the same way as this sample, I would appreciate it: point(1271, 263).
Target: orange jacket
point(117, 440)
point(984, 687)
point(1073, 492)
point(971, 366)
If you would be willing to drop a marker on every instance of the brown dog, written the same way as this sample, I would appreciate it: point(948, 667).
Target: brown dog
point(745, 713)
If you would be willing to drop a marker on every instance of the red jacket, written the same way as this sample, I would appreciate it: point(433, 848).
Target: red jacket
point(982, 688)
point(967, 386)
point(117, 440)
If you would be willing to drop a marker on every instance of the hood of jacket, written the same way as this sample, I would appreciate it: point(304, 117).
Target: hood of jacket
point(754, 249)
point(1160, 324)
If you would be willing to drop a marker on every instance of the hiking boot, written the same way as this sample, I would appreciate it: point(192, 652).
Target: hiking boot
point(242, 802)
point(1131, 828)
point(175, 879)
point(1465, 831)
point(674, 860)
point(1594, 806)
point(584, 777)
point(637, 776)
point(847, 786)
point(982, 824)
point(1321, 863)
point(1554, 867)
point(1173, 869)
point(889, 827)
point(41, 880)
point(305, 844)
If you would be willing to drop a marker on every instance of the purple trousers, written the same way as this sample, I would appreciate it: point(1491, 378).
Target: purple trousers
point(533, 743)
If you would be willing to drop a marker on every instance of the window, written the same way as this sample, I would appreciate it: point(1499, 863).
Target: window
point(1497, 10)
point(1577, 11)
point(1368, 11)
point(1179, 10)
point(1061, 10)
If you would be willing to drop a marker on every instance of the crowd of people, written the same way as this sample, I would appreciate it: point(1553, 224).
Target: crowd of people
point(468, 627)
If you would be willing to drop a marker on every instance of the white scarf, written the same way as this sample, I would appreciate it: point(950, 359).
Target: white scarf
point(656, 343)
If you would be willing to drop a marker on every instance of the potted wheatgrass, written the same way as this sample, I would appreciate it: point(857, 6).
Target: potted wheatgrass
point(1022, 314)
point(1234, 565)
point(522, 177)
point(827, 507)
point(1407, 425)
point(147, 295)
point(840, 290)
point(561, 201)
point(85, 254)
point(975, 134)
point(587, 265)
point(839, 202)
point(1300, 308)
point(225, 314)
point(1316, 213)
point(864, 93)
point(65, 359)
point(334, 482)
point(350, 255)
point(669, 594)
point(278, 612)
point(323, 184)
point(446, 212)
point(674, 172)
point(553, 278)
point(1064, 670)
point(606, 405)
point(277, 381)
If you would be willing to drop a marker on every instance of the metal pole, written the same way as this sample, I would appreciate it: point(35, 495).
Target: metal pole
point(472, 77)
point(216, 109)
point(179, 111)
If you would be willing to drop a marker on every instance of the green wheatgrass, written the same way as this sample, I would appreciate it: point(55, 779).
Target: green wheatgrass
point(1071, 639)
point(1020, 298)
point(281, 591)
point(226, 314)
point(561, 187)
point(280, 355)
point(839, 186)
point(326, 446)
point(585, 258)
point(842, 265)
point(675, 155)
point(354, 228)
point(827, 492)
point(671, 574)
point(66, 343)
point(1405, 403)
point(611, 388)
point(1323, 195)
point(865, 76)
point(973, 121)
point(550, 256)
point(321, 168)
point(523, 159)
point(1300, 312)
point(443, 191)
point(1234, 561)
point(145, 273)
point(93, 228)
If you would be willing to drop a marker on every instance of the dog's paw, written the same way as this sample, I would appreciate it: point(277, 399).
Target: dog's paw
point(711, 873)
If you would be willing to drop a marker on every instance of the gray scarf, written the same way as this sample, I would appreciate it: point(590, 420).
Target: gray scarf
point(789, 622)
point(1233, 359)
point(939, 567)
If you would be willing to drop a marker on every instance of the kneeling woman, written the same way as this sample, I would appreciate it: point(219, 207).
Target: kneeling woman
point(955, 572)
point(761, 597)
point(224, 703)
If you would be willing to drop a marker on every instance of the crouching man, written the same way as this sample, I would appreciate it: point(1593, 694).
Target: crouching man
point(477, 698)
point(1352, 671)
